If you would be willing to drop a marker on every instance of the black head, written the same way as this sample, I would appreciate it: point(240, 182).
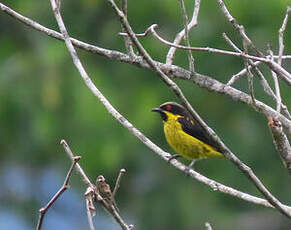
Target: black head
point(171, 107)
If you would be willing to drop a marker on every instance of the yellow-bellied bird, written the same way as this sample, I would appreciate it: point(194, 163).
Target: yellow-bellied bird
point(185, 134)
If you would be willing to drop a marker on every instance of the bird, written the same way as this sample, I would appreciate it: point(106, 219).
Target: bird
point(185, 134)
point(105, 191)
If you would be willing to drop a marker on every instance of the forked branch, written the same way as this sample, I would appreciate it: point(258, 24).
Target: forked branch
point(65, 186)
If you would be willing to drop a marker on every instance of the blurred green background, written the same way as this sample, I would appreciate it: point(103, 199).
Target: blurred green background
point(43, 100)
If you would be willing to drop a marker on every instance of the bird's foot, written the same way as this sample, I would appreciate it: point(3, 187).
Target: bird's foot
point(175, 156)
point(190, 166)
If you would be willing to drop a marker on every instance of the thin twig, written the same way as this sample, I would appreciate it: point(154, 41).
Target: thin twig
point(270, 92)
point(79, 169)
point(127, 41)
point(281, 50)
point(263, 81)
point(64, 187)
point(241, 73)
point(251, 85)
point(285, 75)
point(179, 36)
point(177, 91)
point(237, 26)
point(205, 49)
point(281, 35)
point(91, 210)
point(277, 86)
point(118, 180)
point(250, 75)
point(186, 37)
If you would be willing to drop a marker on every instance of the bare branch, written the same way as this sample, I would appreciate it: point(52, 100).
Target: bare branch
point(241, 73)
point(281, 142)
point(270, 92)
point(281, 35)
point(205, 49)
point(238, 27)
point(276, 84)
point(117, 183)
point(179, 37)
point(186, 37)
point(250, 75)
point(64, 187)
point(86, 180)
point(91, 211)
point(128, 43)
point(263, 81)
point(285, 75)
point(251, 86)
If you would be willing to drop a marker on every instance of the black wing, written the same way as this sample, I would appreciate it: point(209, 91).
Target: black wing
point(192, 127)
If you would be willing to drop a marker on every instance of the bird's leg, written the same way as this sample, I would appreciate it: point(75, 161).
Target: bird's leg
point(175, 156)
point(190, 166)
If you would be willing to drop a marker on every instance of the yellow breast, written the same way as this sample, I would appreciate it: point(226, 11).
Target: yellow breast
point(183, 143)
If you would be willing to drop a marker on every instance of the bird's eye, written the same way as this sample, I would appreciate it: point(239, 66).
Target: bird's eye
point(168, 107)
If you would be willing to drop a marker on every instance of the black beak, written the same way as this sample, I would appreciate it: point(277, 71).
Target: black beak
point(161, 112)
point(157, 110)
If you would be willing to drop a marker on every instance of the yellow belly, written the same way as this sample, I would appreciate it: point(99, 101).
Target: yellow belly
point(186, 145)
